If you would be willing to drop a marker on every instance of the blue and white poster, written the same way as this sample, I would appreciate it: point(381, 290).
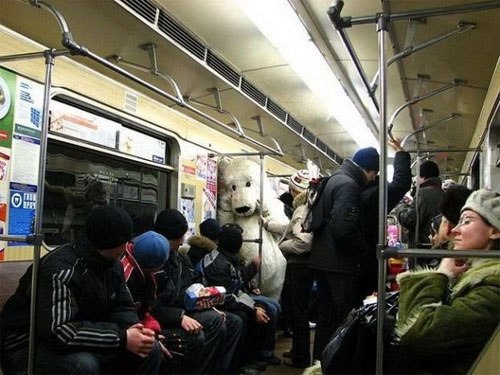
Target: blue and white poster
point(22, 208)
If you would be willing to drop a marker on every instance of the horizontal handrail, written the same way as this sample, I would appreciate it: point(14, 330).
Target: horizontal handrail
point(439, 253)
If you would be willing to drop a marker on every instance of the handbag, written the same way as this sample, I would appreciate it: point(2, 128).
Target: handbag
point(352, 348)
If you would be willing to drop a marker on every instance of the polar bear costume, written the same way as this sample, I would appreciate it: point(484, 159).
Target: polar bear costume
point(239, 203)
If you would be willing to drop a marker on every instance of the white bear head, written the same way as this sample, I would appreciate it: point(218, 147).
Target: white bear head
point(242, 180)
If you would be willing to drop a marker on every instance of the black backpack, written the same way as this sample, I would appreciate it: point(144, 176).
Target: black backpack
point(314, 217)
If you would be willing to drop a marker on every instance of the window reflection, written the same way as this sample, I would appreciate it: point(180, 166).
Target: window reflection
point(77, 180)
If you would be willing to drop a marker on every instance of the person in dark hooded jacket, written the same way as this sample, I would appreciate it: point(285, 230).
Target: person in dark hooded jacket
point(200, 245)
point(338, 247)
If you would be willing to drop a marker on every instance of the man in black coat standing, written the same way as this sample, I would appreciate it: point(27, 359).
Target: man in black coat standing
point(401, 183)
point(425, 208)
point(338, 246)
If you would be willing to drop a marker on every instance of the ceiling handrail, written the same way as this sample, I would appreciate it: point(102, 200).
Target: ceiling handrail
point(120, 60)
point(460, 28)
point(78, 49)
point(455, 83)
point(452, 116)
point(217, 108)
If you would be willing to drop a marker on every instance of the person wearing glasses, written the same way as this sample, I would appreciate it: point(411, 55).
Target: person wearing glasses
point(447, 314)
point(442, 225)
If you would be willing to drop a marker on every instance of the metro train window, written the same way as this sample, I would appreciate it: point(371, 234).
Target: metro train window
point(77, 180)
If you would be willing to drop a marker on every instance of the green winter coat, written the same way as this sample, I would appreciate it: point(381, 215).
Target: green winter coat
point(440, 317)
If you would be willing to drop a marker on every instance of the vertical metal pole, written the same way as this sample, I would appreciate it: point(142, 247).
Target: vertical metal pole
point(382, 197)
point(416, 202)
point(49, 64)
point(261, 213)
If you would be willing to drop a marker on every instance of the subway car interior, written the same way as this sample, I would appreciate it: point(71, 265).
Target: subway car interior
point(150, 106)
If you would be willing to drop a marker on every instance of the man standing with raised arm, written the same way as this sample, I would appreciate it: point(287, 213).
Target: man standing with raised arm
point(338, 246)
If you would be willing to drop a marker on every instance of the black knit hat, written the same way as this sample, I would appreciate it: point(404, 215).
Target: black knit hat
point(171, 224)
point(108, 227)
point(367, 158)
point(210, 228)
point(429, 169)
point(453, 200)
point(231, 238)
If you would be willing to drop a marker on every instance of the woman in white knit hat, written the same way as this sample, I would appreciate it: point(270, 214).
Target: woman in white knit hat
point(296, 245)
point(446, 315)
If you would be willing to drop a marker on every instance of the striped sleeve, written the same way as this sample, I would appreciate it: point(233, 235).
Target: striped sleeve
point(58, 324)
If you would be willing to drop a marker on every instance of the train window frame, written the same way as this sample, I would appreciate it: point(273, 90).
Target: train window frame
point(108, 158)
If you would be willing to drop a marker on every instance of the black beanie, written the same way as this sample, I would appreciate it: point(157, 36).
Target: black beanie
point(429, 169)
point(453, 200)
point(108, 227)
point(231, 238)
point(210, 228)
point(171, 224)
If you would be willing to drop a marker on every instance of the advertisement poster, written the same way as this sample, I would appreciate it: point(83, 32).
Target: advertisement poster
point(187, 206)
point(25, 158)
point(209, 205)
point(28, 114)
point(4, 174)
point(142, 146)
point(188, 168)
point(22, 208)
point(201, 167)
point(3, 227)
point(7, 101)
point(212, 176)
point(76, 123)
point(210, 191)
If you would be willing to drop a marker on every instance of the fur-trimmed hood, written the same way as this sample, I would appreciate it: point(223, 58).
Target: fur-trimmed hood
point(202, 242)
point(300, 200)
point(479, 270)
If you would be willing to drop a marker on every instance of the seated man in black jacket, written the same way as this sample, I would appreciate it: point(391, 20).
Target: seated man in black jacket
point(223, 267)
point(221, 332)
point(86, 321)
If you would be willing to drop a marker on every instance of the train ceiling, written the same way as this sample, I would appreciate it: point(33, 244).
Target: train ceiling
point(229, 53)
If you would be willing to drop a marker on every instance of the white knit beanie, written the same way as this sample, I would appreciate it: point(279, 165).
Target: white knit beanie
point(487, 204)
point(300, 180)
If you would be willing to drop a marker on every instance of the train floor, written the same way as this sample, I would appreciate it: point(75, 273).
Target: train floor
point(282, 344)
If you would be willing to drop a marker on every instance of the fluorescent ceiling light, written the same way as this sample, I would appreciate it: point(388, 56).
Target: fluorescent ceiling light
point(279, 23)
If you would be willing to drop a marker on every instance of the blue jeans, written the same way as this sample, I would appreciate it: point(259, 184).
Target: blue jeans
point(82, 363)
point(228, 357)
point(268, 331)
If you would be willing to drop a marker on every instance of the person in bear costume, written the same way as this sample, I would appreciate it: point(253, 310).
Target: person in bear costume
point(239, 202)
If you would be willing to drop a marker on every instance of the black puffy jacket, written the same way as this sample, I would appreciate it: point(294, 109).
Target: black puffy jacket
point(338, 246)
point(83, 303)
point(173, 280)
point(223, 268)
